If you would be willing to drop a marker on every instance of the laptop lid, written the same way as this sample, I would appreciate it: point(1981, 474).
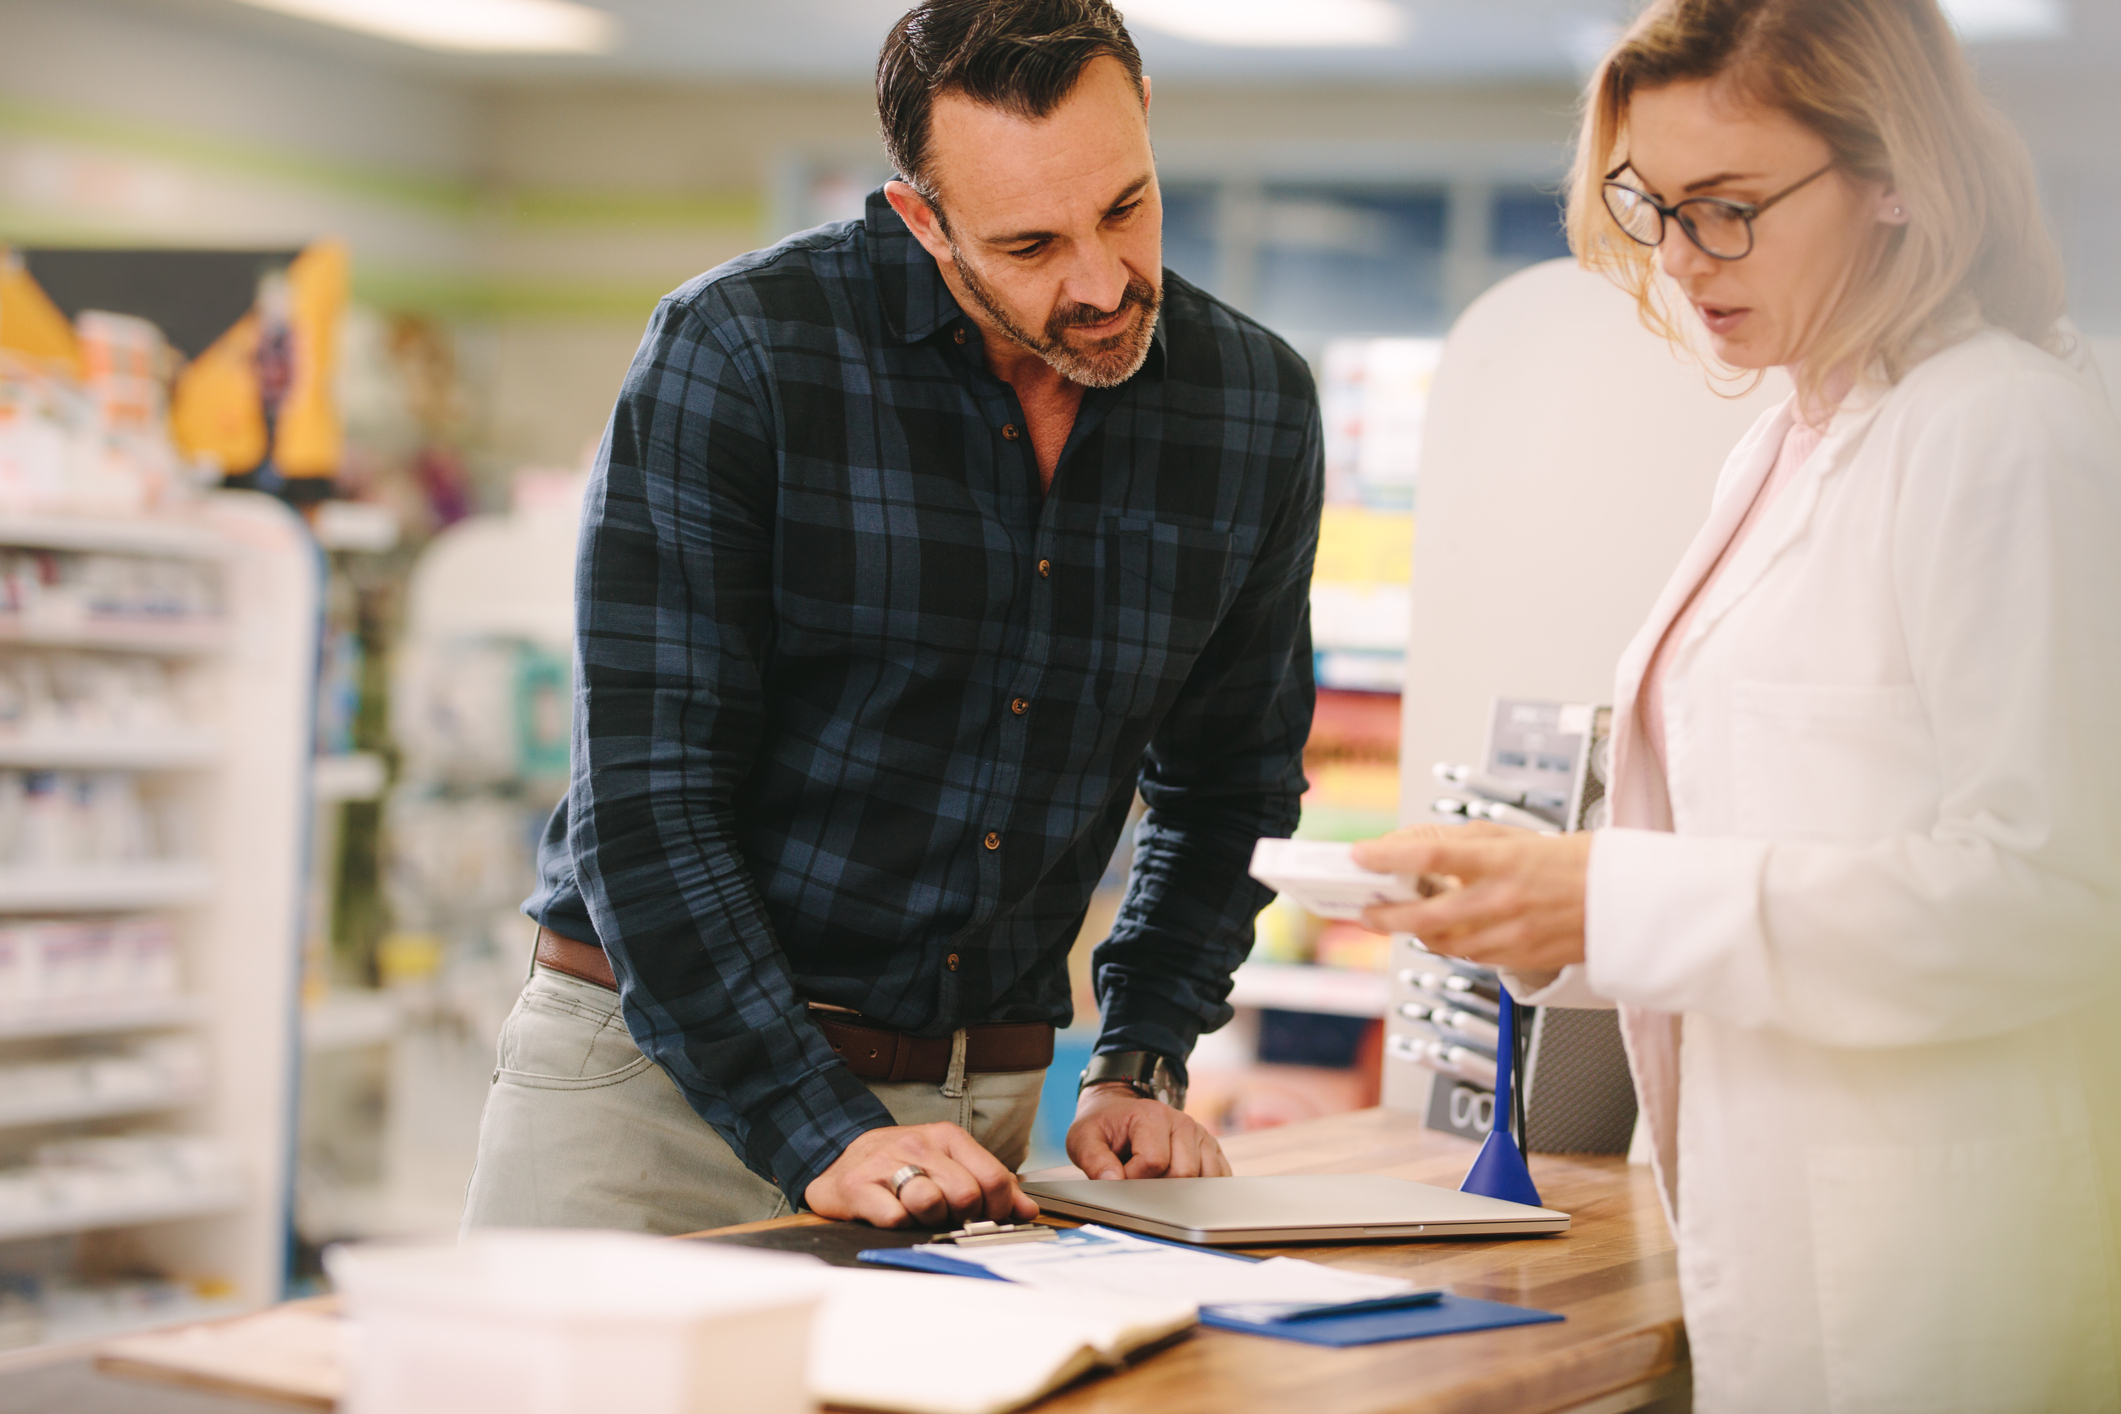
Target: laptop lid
point(1235, 1212)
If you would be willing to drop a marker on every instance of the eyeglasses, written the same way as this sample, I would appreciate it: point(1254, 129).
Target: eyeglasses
point(1721, 228)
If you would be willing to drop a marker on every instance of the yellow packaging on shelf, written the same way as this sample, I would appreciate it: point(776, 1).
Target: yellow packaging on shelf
point(408, 957)
point(1357, 545)
point(30, 323)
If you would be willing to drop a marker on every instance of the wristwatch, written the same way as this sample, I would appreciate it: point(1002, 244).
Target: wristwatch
point(1152, 1076)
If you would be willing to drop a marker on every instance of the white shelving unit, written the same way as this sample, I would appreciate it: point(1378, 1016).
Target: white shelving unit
point(102, 1018)
point(106, 888)
point(24, 1116)
point(229, 1204)
point(233, 895)
point(54, 751)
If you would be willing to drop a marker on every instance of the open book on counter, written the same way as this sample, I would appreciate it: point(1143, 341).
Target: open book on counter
point(898, 1342)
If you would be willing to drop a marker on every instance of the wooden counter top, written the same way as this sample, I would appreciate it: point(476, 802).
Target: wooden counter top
point(1613, 1275)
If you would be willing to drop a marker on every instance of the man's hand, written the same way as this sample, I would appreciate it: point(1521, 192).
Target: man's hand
point(964, 1182)
point(1119, 1134)
point(1519, 903)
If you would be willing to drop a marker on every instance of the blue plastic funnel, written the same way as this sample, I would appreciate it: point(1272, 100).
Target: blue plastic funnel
point(1499, 1169)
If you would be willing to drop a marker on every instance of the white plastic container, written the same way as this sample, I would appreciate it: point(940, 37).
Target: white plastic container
point(560, 1322)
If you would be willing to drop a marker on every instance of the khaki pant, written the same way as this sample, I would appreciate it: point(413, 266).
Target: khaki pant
point(582, 1130)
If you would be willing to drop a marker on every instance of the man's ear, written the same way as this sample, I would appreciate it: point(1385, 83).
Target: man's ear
point(1147, 92)
point(920, 218)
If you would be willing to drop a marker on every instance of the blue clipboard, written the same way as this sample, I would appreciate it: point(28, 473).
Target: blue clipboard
point(1448, 1315)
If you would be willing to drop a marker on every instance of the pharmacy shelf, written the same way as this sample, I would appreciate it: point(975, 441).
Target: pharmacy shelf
point(205, 1202)
point(1334, 991)
point(20, 1116)
point(148, 751)
point(103, 1017)
point(68, 1330)
point(121, 636)
point(234, 906)
point(132, 536)
point(109, 888)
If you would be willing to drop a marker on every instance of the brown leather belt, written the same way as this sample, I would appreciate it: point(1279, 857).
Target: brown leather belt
point(872, 1051)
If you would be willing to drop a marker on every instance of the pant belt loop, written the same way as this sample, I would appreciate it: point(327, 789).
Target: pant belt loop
point(954, 1082)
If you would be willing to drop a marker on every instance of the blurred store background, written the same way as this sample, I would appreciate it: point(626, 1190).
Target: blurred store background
point(272, 760)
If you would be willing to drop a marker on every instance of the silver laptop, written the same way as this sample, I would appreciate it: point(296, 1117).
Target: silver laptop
point(1237, 1212)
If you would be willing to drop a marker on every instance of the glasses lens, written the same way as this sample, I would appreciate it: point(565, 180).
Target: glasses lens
point(1634, 214)
point(1717, 228)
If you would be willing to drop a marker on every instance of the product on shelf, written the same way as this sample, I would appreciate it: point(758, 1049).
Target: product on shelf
point(63, 589)
point(79, 1176)
point(59, 694)
point(159, 1070)
point(84, 962)
point(68, 819)
point(1351, 946)
point(37, 1306)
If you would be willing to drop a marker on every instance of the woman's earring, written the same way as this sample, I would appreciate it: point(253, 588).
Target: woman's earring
point(1897, 212)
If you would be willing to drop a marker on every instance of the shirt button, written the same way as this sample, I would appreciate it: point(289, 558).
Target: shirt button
point(1009, 431)
point(951, 962)
point(993, 840)
point(1045, 569)
point(1020, 706)
point(958, 334)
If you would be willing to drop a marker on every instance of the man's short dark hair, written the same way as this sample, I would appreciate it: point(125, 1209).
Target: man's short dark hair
point(1021, 55)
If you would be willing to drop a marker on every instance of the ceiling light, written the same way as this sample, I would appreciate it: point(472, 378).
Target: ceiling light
point(2007, 19)
point(1274, 24)
point(468, 26)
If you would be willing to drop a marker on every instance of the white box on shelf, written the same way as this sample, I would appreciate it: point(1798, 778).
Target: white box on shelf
point(576, 1323)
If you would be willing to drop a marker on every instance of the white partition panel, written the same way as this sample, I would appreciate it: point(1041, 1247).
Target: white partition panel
point(1569, 458)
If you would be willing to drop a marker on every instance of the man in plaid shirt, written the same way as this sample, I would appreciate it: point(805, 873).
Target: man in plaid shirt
point(917, 545)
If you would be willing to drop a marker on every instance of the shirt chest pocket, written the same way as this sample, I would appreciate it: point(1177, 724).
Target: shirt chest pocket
point(1161, 590)
point(1830, 762)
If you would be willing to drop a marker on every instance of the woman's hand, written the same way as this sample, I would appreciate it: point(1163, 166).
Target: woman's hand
point(1518, 903)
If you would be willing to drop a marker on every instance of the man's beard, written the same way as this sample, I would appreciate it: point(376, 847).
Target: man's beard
point(1105, 364)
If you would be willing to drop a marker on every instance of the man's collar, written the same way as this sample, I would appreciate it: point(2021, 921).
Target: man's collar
point(916, 300)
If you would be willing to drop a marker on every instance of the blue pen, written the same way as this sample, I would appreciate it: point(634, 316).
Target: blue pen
point(1397, 1302)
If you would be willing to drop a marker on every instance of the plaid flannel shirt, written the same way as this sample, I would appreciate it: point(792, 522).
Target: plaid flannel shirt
point(860, 712)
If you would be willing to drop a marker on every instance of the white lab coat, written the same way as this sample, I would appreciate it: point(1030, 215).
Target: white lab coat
point(1868, 964)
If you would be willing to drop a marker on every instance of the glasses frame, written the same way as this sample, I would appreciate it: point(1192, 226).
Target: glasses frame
point(1746, 211)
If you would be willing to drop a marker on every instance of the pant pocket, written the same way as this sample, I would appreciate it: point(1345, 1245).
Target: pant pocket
point(554, 1040)
point(1004, 1110)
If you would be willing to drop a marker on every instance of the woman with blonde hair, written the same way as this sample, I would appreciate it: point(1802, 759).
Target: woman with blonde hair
point(1860, 903)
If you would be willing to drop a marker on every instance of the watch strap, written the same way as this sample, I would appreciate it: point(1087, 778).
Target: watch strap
point(1150, 1074)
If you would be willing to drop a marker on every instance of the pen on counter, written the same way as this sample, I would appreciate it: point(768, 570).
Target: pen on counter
point(1399, 1301)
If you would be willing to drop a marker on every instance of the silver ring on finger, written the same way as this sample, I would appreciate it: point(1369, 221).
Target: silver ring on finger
point(904, 1175)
